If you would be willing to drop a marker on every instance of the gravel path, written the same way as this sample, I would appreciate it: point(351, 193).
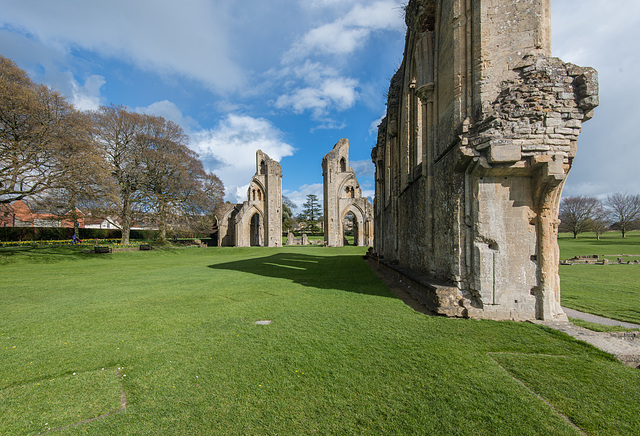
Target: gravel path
point(598, 319)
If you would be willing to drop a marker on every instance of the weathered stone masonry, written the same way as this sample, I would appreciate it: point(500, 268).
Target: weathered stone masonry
point(342, 194)
point(257, 221)
point(480, 133)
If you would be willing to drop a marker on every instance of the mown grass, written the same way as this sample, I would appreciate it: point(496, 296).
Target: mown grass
point(600, 327)
point(175, 332)
point(613, 290)
point(610, 244)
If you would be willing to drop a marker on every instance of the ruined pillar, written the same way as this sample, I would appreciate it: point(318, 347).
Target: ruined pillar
point(499, 126)
point(257, 221)
point(342, 195)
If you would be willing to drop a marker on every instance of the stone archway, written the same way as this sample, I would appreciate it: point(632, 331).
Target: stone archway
point(342, 193)
point(255, 231)
point(349, 228)
point(357, 224)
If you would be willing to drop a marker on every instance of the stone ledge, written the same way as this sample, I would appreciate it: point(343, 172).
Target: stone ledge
point(440, 298)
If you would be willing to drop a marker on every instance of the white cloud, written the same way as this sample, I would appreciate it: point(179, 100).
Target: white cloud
point(373, 127)
point(171, 112)
point(336, 93)
point(606, 38)
point(364, 169)
point(187, 37)
point(87, 97)
point(299, 196)
point(240, 194)
point(312, 85)
point(229, 149)
point(350, 32)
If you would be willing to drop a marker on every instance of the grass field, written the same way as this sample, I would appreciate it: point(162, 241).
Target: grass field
point(165, 342)
point(611, 290)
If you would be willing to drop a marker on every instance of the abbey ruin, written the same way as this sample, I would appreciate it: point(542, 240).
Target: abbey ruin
point(258, 220)
point(342, 195)
point(480, 133)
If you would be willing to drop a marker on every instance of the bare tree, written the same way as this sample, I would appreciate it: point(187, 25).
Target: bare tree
point(578, 213)
point(599, 223)
point(116, 132)
point(624, 211)
point(206, 192)
point(172, 172)
point(85, 179)
point(36, 124)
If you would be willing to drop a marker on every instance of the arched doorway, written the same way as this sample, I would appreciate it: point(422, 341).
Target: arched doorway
point(353, 226)
point(255, 231)
point(350, 229)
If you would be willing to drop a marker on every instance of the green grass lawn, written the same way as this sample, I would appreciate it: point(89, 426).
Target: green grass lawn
point(611, 290)
point(600, 327)
point(172, 334)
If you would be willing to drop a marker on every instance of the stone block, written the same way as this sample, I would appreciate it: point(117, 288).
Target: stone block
point(504, 153)
point(553, 122)
point(573, 123)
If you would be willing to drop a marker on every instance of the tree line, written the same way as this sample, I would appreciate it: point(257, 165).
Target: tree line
point(590, 214)
point(111, 161)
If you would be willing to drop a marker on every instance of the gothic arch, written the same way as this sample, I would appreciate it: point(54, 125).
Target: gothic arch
point(343, 165)
point(349, 180)
point(256, 191)
point(249, 232)
point(359, 222)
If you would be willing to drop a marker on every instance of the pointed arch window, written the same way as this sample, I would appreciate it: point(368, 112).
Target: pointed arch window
point(343, 165)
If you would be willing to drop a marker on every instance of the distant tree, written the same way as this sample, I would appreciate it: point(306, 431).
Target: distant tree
point(623, 211)
point(36, 124)
point(205, 193)
point(165, 160)
point(287, 213)
point(577, 214)
point(599, 226)
point(311, 212)
point(598, 223)
point(311, 208)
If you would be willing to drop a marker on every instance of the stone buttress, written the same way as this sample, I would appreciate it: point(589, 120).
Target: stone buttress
point(480, 133)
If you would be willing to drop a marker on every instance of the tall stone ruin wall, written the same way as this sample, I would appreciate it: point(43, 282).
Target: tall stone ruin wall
point(258, 220)
point(480, 134)
point(342, 195)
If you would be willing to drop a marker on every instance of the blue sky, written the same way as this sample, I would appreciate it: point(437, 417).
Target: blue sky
point(292, 77)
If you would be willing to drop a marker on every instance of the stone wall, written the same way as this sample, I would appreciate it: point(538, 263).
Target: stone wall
point(342, 195)
point(257, 221)
point(480, 134)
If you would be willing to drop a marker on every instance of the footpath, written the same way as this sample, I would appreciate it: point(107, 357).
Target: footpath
point(625, 346)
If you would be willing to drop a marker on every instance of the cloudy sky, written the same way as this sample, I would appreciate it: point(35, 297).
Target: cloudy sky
point(292, 77)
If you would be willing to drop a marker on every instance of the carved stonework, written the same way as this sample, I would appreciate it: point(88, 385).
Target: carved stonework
point(257, 221)
point(342, 195)
point(480, 134)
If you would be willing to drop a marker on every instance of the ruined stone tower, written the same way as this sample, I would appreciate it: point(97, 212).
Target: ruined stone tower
point(480, 133)
point(257, 221)
point(342, 195)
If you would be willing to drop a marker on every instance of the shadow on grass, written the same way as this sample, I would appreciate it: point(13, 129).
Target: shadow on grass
point(341, 272)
